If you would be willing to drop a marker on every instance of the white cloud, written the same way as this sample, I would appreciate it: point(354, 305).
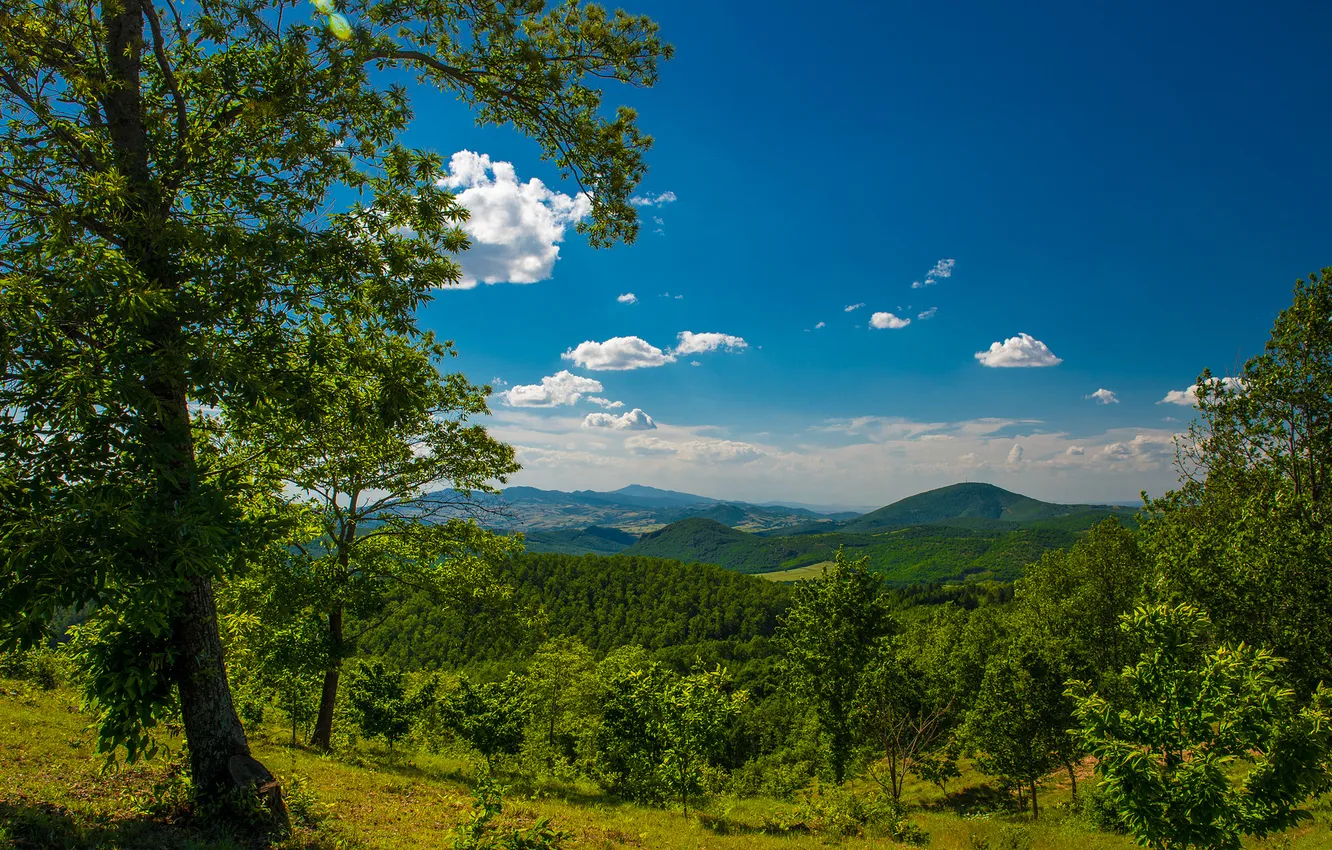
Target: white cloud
point(498, 382)
point(695, 363)
point(650, 200)
point(1104, 396)
point(941, 270)
point(617, 354)
point(537, 457)
point(848, 308)
point(627, 298)
point(563, 387)
point(720, 451)
point(887, 320)
point(1189, 396)
point(515, 228)
point(820, 325)
point(605, 402)
point(630, 352)
point(634, 420)
point(649, 446)
point(863, 461)
point(1014, 455)
point(1020, 350)
point(689, 342)
point(927, 314)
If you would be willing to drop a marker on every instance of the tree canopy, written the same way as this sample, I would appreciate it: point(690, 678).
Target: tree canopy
point(167, 250)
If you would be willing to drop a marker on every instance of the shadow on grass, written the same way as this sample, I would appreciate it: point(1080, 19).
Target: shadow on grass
point(976, 798)
point(720, 825)
point(517, 784)
point(30, 824)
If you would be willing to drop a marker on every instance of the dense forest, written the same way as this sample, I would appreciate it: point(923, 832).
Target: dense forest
point(953, 548)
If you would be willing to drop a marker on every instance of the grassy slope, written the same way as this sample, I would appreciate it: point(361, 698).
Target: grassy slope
point(52, 795)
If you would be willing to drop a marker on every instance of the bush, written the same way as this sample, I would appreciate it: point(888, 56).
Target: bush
point(481, 834)
point(43, 667)
point(1098, 811)
point(840, 813)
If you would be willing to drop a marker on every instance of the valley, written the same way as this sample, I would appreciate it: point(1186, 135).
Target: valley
point(970, 531)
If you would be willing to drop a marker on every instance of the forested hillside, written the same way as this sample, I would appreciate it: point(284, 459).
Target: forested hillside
point(677, 610)
point(963, 502)
point(593, 540)
point(968, 547)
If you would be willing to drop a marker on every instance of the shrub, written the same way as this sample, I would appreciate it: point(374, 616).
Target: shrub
point(840, 813)
point(480, 833)
point(43, 667)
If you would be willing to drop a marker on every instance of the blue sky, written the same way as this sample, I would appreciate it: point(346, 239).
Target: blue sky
point(1134, 185)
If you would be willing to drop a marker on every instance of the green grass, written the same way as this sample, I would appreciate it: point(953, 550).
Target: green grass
point(798, 573)
point(53, 795)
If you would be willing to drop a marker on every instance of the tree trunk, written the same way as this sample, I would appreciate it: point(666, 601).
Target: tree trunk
point(1073, 778)
point(219, 753)
point(1035, 809)
point(212, 728)
point(323, 731)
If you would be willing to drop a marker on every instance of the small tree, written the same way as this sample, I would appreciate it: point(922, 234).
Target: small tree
point(377, 489)
point(1168, 759)
point(905, 721)
point(563, 697)
point(630, 741)
point(490, 717)
point(826, 639)
point(380, 707)
point(697, 711)
point(1021, 716)
point(658, 731)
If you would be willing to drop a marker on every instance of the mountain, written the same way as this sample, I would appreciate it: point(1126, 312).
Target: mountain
point(634, 509)
point(648, 497)
point(950, 534)
point(962, 502)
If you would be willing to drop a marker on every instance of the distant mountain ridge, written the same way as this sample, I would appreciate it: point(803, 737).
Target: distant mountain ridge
point(965, 501)
point(747, 537)
point(955, 532)
point(634, 509)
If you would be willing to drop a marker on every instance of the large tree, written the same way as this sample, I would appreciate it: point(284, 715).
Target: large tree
point(1245, 537)
point(166, 247)
point(380, 484)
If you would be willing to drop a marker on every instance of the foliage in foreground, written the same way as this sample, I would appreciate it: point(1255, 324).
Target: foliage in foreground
point(1170, 756)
